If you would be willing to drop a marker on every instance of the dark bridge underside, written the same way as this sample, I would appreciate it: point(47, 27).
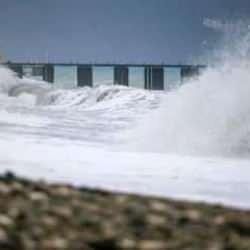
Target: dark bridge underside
point(154, 75)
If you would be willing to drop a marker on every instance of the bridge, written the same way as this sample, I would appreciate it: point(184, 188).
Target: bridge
point(69, 75)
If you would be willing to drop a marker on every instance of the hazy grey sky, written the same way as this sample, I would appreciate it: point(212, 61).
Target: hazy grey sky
point(169, 31)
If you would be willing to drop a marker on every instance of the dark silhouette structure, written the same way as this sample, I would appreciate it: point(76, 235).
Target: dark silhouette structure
point(156, 76)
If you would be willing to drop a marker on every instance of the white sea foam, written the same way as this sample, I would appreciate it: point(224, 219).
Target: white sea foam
point(8, 79)
point(102, 97)
point(209, 115)
point(77, 136)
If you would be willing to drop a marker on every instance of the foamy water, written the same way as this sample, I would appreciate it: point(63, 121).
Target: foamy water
point(209, 116)
point(191, 143)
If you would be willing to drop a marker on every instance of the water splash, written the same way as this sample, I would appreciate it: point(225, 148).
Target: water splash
point(8, 80)
point(207, 116)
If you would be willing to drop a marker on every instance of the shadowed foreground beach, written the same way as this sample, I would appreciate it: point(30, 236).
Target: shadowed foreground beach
point(37, 215)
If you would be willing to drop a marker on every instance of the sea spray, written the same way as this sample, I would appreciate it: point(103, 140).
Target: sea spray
point(8, 79)
point(206, 116)
point(28, 90)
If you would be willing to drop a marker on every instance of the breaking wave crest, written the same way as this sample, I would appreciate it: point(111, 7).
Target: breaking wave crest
point(102, 97)
point(8, 80)
point(209, 115)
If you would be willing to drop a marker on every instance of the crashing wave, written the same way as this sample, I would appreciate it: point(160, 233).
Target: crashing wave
point(210, 115)
point(8, 79)
point(101, 97)
point(13, 86)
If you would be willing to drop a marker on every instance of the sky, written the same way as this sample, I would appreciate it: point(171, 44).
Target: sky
point(113, 31)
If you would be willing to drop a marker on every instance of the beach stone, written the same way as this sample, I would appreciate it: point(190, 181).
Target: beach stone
point(5, 221)
point(14, 212)
point(62, 211)
point(109, 231)
point(38, 196)
point(193, 215)
point(151, 245)
point(4, 189)
point(55, 243)
point(62, 191)
point(219, 220)
point(16, 188)
point(158, 206)
point(38, 231)
point(27, 242)
point(3, 235)
point(156, 220)
point(127, 243)
point(48, 221)
point(121, 199)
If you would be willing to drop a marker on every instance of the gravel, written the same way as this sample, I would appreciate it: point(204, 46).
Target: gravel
point(37, 215)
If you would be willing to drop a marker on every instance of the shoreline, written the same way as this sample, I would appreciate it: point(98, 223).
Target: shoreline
point(37, 215)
